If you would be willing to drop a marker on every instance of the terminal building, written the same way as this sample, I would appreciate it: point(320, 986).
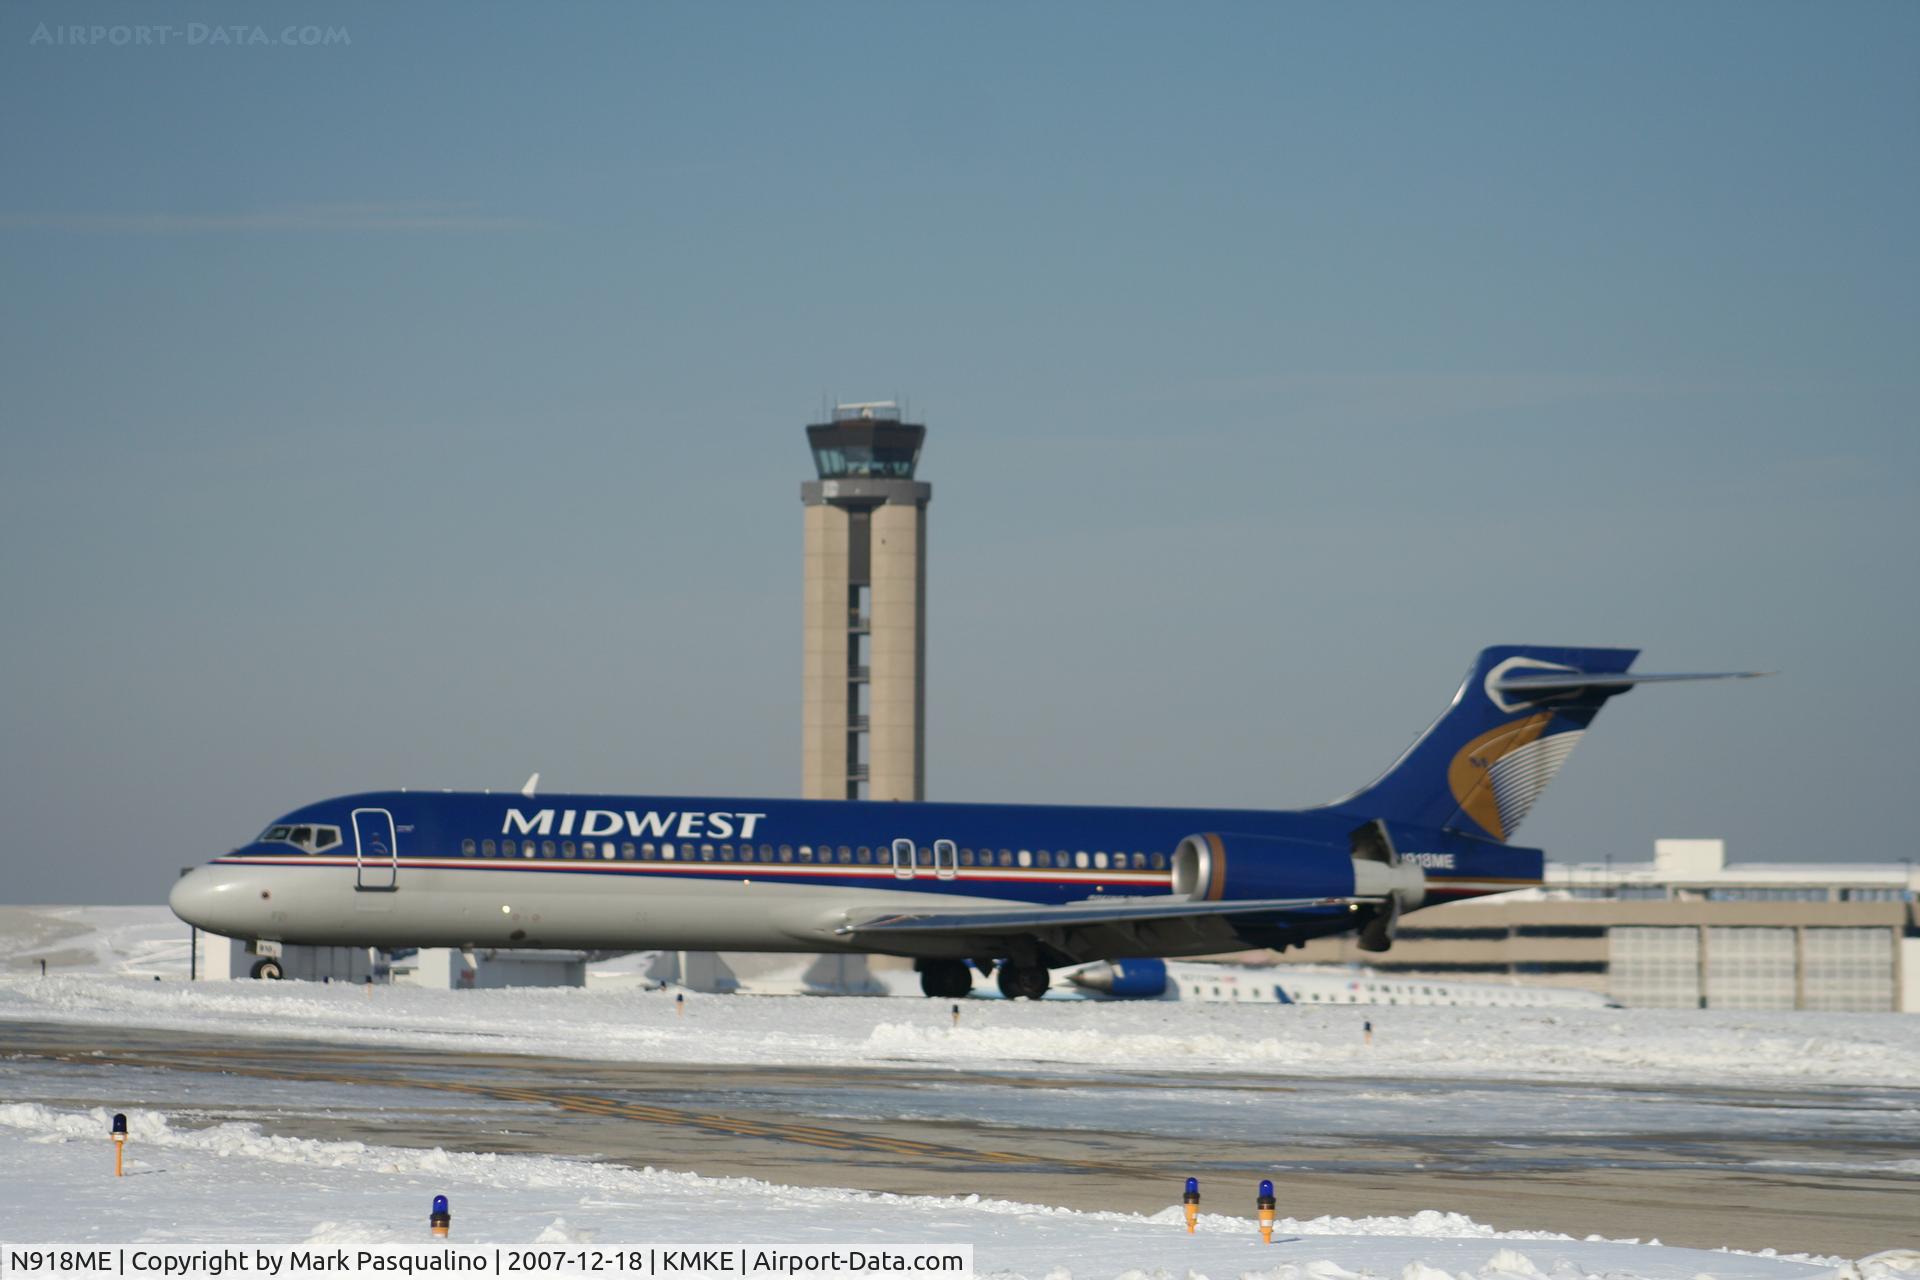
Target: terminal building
point(1684, 931)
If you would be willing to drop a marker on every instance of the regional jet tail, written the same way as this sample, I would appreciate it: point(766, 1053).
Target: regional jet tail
point(1007, 889)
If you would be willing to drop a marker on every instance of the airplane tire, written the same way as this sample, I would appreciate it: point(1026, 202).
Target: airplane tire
point(945, 979)
point(1023, 981)
point(268, 969)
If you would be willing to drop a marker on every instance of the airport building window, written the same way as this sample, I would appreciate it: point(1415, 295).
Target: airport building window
point(466, 848)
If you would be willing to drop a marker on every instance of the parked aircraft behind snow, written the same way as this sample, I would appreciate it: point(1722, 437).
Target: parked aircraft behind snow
point(1293, 984)
point(1015, 888)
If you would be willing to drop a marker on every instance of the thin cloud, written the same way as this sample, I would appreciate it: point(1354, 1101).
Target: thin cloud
point(319, 217)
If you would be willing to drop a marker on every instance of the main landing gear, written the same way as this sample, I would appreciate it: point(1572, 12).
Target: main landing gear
point(1023, 981)
point(945, 979)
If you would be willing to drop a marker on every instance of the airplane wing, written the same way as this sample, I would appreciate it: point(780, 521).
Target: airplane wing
point(1071, 915)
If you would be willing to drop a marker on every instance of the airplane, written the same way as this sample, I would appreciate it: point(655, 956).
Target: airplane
point(1010, 891)
point(1309, 986)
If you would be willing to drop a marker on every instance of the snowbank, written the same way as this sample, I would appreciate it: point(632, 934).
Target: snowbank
point(230, 1183)
point(1600, 1045)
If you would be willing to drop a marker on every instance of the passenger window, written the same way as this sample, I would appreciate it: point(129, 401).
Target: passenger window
point(1080, 859)
point(486, 848)
point(1100, 861)
point(726, 853)
point(865, 854)
point(606, 850)
point(567, 849)
point(647, 852)
point(1159, 862)
point(509, 847)
point(1006, 857)
point(466, 848)
point(587, 848)
point(546, 848)
point(626, 851)
point(805, 854)
point(666, 853)
point(706, 853)
point(846, 856)
point(786, 853)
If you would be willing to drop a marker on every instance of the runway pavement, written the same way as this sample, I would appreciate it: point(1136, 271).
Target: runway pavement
point(1700, 1167)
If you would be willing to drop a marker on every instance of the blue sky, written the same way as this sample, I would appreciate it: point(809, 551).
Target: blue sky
point(425, 408)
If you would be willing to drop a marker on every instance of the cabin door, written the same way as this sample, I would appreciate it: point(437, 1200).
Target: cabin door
point(376, 854)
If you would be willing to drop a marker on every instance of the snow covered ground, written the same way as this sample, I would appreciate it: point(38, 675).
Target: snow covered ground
point(194, 1182)
point(230, 1183)
point(1603, 1045)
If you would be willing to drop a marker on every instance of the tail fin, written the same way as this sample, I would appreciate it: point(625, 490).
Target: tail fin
point(1517, 717)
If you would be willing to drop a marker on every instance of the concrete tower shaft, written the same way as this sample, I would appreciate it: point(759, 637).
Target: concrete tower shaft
point(863, 704)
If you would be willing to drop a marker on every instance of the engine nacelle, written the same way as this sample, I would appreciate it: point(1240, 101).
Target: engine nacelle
point(1222, 867)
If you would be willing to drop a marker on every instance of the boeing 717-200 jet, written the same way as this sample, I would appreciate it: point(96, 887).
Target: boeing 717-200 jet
point(1012, 889)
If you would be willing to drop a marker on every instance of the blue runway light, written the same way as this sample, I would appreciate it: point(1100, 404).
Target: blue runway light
point(439, 1221)
point(1193, 1186)
point(1266, 1189)
point(120, 1124)
point(1264, 1210)
point(1190, 1204)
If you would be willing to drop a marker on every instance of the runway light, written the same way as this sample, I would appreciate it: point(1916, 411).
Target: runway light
point(119, 1141)
point(1263, 1207)
point(956, 1015)
point(680, 1005)
point(1191, 1203)
point(440, 1221)
point(1367, 1027)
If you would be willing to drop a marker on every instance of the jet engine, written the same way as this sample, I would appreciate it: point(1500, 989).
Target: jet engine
point(1223, 866)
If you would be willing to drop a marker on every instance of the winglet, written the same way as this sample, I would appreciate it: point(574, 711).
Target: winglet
point(533, 785)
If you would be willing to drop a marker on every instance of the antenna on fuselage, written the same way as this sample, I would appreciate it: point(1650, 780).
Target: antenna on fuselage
point(533, 785)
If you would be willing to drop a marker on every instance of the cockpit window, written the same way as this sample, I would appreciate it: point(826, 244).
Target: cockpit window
point(306, 837)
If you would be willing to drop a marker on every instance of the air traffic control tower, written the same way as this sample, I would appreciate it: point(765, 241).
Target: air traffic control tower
point(864, 697)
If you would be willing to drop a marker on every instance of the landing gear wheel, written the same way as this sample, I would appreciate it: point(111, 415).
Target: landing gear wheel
point(1023, 981)
point(945, 979)
point(268, 969)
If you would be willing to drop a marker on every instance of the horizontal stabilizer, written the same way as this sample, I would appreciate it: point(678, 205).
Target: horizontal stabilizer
point(1077, 914)
point(1550, 680)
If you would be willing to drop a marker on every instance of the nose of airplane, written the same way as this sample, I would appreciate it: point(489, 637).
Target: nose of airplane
point(207, 900)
